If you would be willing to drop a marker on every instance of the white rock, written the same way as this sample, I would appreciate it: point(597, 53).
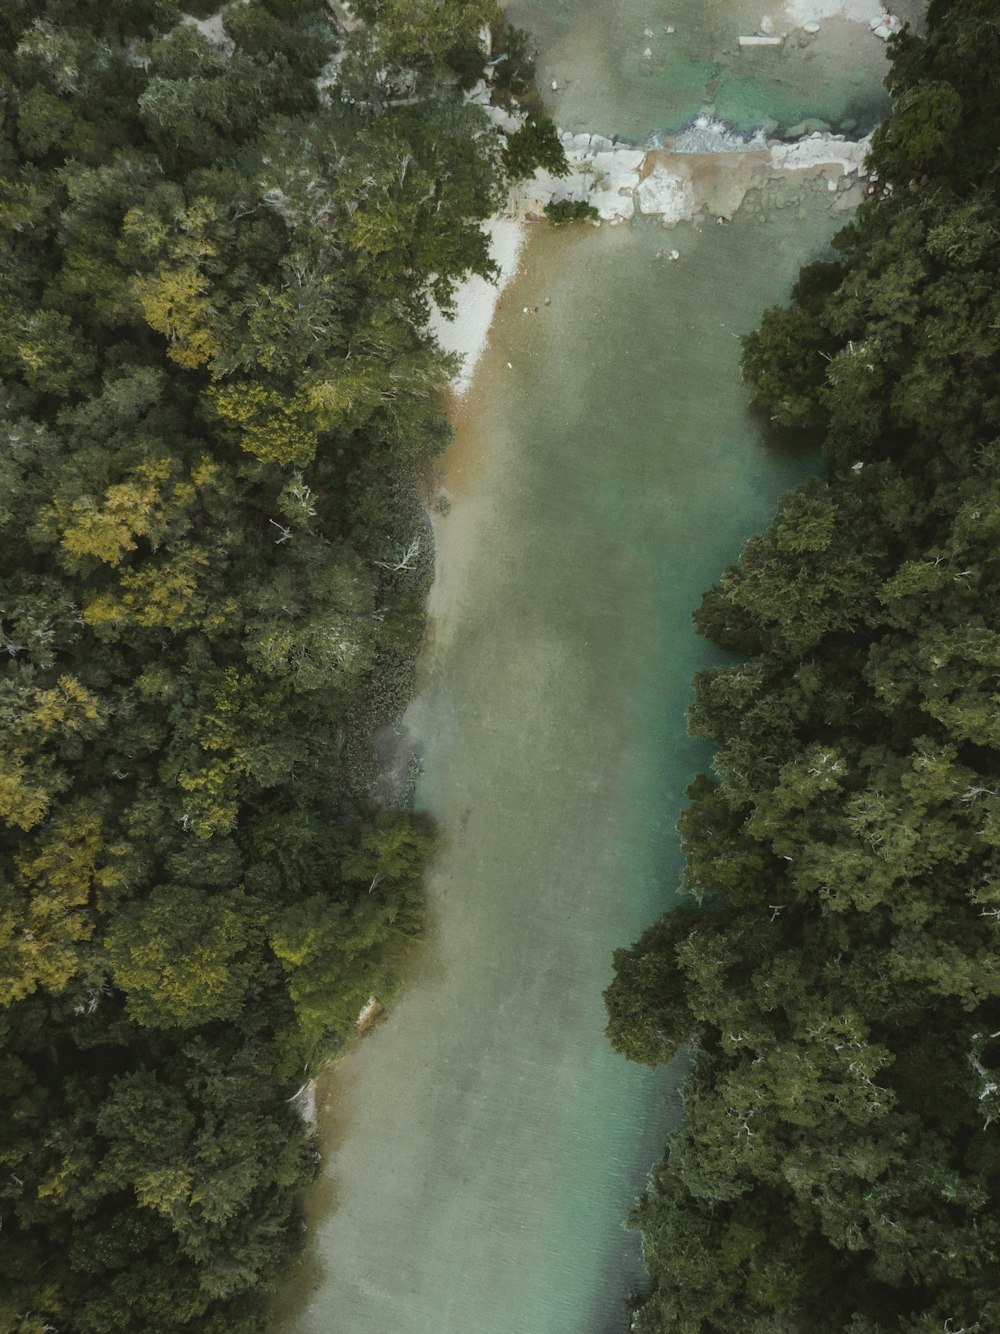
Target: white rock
point(600, 144)
point(810, 27)
point(621, 165)
point(882, 31)
point(767, 25)
point(503, 119)
point(761, 41)
point(666, 194)
point(214, 30)
point(611, 206)
point(479, 93)
point(808, 153)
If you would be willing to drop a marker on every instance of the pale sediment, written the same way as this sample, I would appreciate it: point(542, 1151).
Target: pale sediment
point(465, 332)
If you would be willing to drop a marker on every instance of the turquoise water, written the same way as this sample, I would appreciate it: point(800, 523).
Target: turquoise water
point(484, 1145)
point(595, 51)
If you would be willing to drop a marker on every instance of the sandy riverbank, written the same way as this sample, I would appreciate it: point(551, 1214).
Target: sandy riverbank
point(476, 300)
point(675, 186)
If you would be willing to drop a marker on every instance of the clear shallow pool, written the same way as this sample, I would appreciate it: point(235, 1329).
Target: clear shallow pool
point(484, 1145)
point(595, 51)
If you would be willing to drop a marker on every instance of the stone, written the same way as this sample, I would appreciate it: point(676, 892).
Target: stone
point(666, 194)
point(761, 41)
point(767, 25)
point(810, 28)
point(600, 144)
point(808, 153)
point(479, 93)
point(503, 119)
point(806, 127)
point(620, 167)
point(611, 206)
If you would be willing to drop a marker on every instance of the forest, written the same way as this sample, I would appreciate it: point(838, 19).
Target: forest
point(219, 243)
point(832, 969)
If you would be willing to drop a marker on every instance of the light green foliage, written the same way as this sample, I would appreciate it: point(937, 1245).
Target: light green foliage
point(181, 957)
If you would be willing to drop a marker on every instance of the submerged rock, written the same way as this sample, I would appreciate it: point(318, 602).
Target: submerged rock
point(666, 194)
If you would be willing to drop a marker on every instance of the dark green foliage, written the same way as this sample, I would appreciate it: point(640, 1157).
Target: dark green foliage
point(838, 1169)
point(563, 211)
point(535, 144)
point(216, 399)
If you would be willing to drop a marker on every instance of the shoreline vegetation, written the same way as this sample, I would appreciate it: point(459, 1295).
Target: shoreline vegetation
point(708, 169)
point(833, 969)
point(221, 234)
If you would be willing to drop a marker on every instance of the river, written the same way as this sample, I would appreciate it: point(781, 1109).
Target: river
point(483, 1145)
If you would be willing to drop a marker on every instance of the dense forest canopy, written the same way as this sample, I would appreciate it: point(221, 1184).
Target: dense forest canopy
point(219, 240)
point(835, 968)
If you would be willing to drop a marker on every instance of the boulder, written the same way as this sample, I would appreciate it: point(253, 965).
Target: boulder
point(612, 207)
point(663, 193)
point(808, 153)
point(619, 168)
point(479, 93)
point(503, 119)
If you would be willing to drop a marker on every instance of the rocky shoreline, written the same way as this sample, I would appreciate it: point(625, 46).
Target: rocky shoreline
point(618, 180)
point(708, 169)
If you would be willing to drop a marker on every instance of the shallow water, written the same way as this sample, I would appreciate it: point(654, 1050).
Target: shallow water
point(484, 1144)
point(595, 51)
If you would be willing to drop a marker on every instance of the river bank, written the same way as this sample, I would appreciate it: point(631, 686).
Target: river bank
point(483, 1146)
point(708, 171)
